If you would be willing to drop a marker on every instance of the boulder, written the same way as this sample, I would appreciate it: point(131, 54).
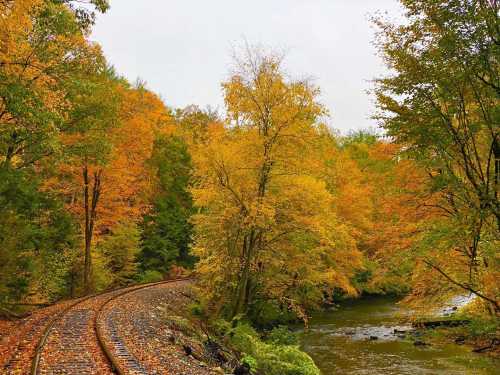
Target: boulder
point(420, 343)
point(242, 369)
point(460, 340)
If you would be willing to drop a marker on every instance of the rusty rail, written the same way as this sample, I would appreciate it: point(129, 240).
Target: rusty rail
point(35, 363)
point(115, 365)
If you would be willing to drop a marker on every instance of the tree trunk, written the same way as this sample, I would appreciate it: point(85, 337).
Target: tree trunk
point(10, 151)
point(243, 280)
point(90, 205)
point(496, 184)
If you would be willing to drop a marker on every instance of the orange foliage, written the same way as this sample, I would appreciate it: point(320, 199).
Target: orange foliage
point(124, 175)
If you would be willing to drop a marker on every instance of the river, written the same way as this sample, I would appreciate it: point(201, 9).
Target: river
point(359, 338)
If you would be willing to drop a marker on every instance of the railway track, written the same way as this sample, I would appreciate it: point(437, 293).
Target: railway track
point(122, 362)
point(77, 340)
point(27, 336)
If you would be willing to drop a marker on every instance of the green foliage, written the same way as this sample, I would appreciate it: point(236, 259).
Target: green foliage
point(120, 249)
point(95, 108)
point(367, 137)
point(85, 13)
point(33, 99)
point(268, 313)
point(150, 276)
point(250, 361)
point(221, 327)
point(101, 276)
point(359, 145)
point(243, 337)
point(196, 310)
point(179, 323)
point(285, 360)
point(441, 102)
point(35, 233)
point(480, 327)
point(167, 231)
point(193, 122)
point(274, 357)
point(282, 335)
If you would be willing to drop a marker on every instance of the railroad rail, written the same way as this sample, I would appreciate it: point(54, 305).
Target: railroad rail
point(114, 360)
point(23, 346)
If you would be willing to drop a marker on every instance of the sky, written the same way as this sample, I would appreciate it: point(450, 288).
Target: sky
point(182, 48)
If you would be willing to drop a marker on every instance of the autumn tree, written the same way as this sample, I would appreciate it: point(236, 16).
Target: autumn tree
point(191, 123)
point(104, 174)
point(266, 231)
point(42, 49)
point(85, 10)
point(167, 227)
point(347, 182)
point(94, 112)
point(441, 105)
point(396, 188)
point(43, 53)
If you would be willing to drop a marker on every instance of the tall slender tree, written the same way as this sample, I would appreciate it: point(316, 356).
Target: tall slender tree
point(266, 231)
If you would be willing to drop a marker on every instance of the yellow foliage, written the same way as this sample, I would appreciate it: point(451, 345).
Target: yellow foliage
point(267, 227)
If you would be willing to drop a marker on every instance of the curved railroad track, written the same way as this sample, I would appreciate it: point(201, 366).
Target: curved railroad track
point(23, 343)
point(74, 341)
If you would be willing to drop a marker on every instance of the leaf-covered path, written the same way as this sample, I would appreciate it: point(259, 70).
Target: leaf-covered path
point(139, 327)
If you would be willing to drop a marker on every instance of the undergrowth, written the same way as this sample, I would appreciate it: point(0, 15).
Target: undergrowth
point(276, 353)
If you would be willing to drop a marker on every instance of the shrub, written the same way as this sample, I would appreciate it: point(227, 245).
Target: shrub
point(484, 327)
point(150, 276)
point(265, 314)
point(285, 360)
point(119, 250)
point(273, 357)
point(250, 362)
point(281, 335)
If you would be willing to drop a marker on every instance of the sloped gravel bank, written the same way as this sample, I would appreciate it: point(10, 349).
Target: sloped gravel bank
point(153, 327)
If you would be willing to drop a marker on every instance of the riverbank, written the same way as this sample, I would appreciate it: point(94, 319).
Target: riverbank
point(481, 336)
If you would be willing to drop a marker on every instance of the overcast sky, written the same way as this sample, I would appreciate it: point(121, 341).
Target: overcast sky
point(182, 48)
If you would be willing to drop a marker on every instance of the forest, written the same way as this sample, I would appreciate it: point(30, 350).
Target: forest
point(273, 212)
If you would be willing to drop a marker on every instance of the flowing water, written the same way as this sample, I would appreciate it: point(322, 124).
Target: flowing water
point(365, 337)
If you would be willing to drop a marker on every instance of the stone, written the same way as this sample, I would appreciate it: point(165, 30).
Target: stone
point(242, 369)
point(420, 343)
point(460, 340)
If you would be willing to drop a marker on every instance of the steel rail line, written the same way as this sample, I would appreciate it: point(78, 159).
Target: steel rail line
point(99, 332)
